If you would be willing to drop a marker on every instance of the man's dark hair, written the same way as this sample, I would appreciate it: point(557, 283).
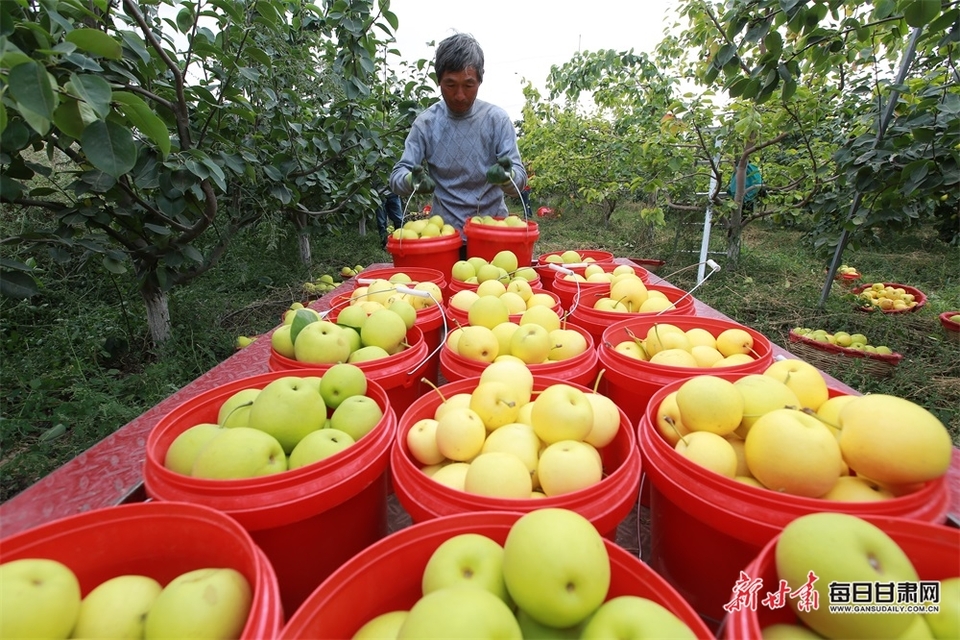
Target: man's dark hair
point(456, 53)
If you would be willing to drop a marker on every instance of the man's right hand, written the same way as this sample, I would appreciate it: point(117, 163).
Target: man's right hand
point(420, 181)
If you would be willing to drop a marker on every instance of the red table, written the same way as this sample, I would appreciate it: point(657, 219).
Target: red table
point(111, 471)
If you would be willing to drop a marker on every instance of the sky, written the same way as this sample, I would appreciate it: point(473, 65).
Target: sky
point(522, 39)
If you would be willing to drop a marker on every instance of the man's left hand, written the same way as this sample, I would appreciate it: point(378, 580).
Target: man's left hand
point(497, 174)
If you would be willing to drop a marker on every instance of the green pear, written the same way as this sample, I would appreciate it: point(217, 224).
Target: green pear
point(288, 408)
point(839, 547)
point(39, 598)
point(117, 607)
point(203, 603)
point(235, 411)
point(184, 449)
point(356, 416)
point(241, 452)
point(385, 329)
point(340, 382)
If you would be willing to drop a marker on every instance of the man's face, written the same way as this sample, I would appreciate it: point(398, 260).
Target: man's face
point(459, 89)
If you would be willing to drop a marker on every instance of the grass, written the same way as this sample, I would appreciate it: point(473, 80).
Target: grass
point(78, 366)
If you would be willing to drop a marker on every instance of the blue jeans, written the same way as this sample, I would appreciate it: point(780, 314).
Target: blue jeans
point(391, 208)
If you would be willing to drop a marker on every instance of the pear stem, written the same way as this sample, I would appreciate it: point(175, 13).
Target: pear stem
point(239, 406)
point(669, 421)
point(435, 388)
point(596, 383)
point(811, 412)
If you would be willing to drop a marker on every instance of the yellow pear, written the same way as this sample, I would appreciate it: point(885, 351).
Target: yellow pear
point(710, 403)
point(893, 441)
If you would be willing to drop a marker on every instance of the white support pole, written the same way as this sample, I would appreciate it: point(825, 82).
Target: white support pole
point(707, 219)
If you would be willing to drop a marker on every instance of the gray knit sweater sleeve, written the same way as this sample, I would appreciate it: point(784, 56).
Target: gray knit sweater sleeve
point(458, 151)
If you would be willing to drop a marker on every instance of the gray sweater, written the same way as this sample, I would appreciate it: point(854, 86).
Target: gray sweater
point(458, 151)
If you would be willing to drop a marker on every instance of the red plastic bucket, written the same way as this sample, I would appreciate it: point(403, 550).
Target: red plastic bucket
point(387, 577)
point(157, 539)
point(603, 258)
point(933, 549)
point(309, 520)
point(631, 383)
point(487, 240)
point(399, 374)
point(457, 315)
point(580, 369)
point(569, 289)
point(597, 320)
point(605, 504)
point(706, 527)
point(439, 253)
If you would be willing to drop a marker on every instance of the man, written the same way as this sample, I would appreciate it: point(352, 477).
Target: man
point(389, 213)
point(461, 149)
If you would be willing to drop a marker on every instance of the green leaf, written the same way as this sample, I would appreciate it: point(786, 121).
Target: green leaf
point(773, 42)
point(114, 266)
point(96, 42)
point(711, 74)
point(109, 147)
point(192, 253)
point(68, 119)
point(10, 189)
point(157, 229)
point(788, 5)
point(883, 9)
point(37, 122)
point(260, 56)
point(391, 18)
point(93, 90)
point(919, 13)
point(141, 116)
point(788, 89)
point(726, 53)
point(185, 20)
point(300, 319)
point(17, 285)
point(950, 105)
point(737, 87)
point(32, 87)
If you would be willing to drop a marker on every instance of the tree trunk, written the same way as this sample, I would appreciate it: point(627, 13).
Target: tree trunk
point(158, 312)
point(735, 223)
point(300, 223)
point(303, 241)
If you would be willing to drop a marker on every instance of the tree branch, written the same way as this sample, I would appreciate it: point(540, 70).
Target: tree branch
point(758, 147)
point(180, 109)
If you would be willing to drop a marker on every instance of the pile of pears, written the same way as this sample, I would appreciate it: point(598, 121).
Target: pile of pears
point(783, 430)
point(856, 341)
point(503, 440)
point(512, 220)
point(887, 298)
point(432, 227)
point(327, 283)
point(42, 599)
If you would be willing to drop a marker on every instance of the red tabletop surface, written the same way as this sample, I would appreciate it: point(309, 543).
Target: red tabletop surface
point(111, 471)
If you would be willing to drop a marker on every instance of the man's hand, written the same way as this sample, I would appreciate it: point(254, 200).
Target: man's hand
point(420, 181)
point(497, 174)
